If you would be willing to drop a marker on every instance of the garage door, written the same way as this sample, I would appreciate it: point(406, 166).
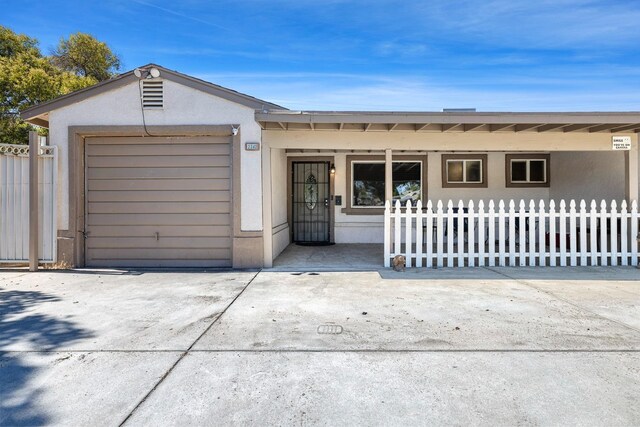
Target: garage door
point(158, 202)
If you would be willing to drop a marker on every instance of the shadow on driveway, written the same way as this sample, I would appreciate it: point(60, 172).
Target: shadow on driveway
point(46, 333)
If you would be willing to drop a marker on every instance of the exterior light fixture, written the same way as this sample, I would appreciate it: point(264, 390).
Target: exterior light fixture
point(332, 169)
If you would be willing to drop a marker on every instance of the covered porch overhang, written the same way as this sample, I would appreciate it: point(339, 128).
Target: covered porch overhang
point(457, 122)
point(389, 136)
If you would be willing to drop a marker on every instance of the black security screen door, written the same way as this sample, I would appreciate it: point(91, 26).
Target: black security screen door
point(310, 203)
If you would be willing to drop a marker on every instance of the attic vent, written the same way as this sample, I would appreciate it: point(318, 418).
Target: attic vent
point(152, 94)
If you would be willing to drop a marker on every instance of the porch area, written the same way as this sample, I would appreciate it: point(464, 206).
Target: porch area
point(339, 257)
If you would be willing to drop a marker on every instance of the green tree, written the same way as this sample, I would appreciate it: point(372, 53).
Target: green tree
point(28, 78)
point(86, 56)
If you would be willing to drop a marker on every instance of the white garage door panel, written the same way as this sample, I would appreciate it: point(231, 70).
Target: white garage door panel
point(158, 202)
point(165, 231)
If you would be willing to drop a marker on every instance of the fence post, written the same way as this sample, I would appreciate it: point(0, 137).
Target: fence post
point(397, 224)
point(387, 234)
point(471, 244)
point(552, 233)
point(34, 151)
point(419, 228)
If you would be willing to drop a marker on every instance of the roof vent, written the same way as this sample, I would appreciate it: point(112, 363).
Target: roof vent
point(458, 110)
point(152, 94)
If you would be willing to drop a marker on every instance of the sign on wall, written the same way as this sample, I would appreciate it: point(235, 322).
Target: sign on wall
point(252, 146)
point(621, 143)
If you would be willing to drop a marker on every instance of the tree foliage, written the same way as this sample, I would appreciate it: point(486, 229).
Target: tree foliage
point(85, 56)
point(28, 78)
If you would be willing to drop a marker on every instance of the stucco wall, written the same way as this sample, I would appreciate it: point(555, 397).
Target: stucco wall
point(280, 227)
point(182, 106)
point(588, 176)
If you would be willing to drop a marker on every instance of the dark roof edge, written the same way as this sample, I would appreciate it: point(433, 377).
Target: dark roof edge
point(129, 77)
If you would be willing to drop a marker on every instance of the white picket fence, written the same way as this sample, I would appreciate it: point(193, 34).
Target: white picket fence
point(14, 203)
point(527, 235)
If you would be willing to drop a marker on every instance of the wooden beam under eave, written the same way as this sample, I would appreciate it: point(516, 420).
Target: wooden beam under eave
point(391, 127)
point(367, 126)
point(419, 127)
point(625, 127)
point(552, 126)
point(448, 127)
point(528, 126)
point(605, 127)
point(468, 128)
point(312, 126)
point(496, 128)
point(340, 126)
point(573, 128)
point(282, 126)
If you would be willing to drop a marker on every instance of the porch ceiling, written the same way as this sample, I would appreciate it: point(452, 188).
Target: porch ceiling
point(449, 122)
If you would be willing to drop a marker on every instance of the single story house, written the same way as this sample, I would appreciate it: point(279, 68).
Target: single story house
point(157, 168)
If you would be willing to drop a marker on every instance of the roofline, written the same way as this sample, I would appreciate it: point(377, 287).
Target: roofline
point(128, 77)
point(447, 117)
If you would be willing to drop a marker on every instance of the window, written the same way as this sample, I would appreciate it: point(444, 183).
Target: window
point(464, 170)
point(407, 181)
point(366, 182)
point(527, 170)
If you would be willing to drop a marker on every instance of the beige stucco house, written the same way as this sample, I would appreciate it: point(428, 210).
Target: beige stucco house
point(174, 171)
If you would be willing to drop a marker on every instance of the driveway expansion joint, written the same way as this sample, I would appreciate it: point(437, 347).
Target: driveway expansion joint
point(185, 352)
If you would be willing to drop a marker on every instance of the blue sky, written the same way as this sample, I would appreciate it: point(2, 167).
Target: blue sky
point(494, 55)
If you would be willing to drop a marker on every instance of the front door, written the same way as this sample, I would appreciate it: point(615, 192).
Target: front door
point(310, 202)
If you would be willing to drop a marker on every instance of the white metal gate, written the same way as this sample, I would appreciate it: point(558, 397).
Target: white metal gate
point(14, 203)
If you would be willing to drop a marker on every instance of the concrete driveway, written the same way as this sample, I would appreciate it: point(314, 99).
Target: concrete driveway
point(474, 346)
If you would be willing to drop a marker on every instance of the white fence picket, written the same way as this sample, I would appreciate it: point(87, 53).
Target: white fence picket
point(542, 247)
point(492, 234)
point(603, 233)
point(408, 229)
point(593, 235)
point(613, 232)
point(502, 255)
point(429, 234)
point(563, 234)
point(573, 250)
point(419, 228)
point(512, 233)
point(471, 259)
point(531, 221)
point(624, 253)
point(634, 233)
point(440, 235)
point(583, 233)
point(552, 234)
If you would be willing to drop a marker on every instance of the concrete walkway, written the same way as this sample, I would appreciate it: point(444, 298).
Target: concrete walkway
point(475, 346)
